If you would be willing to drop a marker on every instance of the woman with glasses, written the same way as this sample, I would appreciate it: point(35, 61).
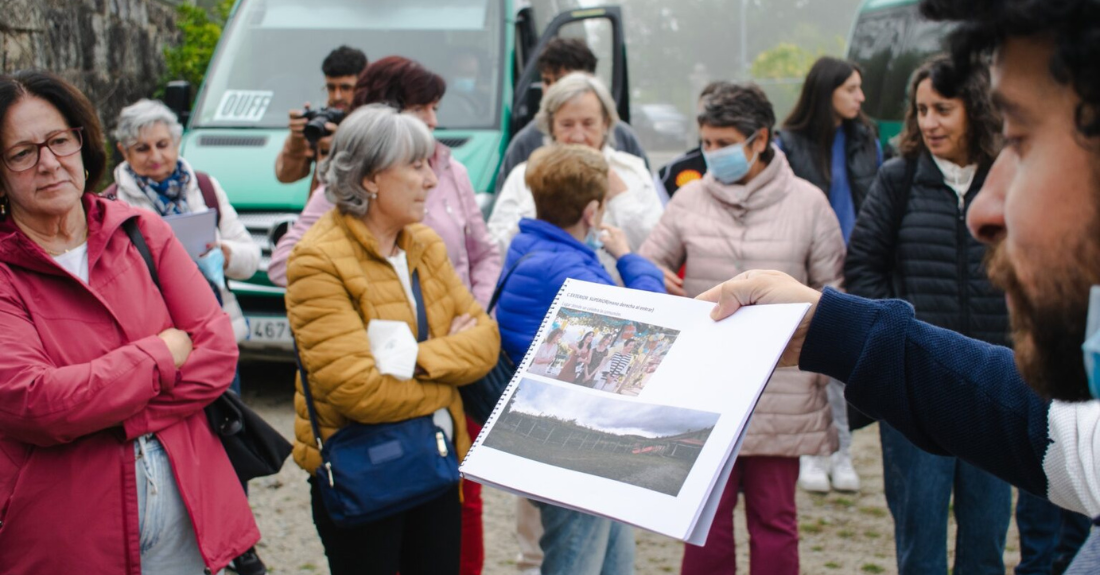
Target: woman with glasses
point(104, 374)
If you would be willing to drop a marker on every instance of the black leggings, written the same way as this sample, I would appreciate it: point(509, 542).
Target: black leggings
point(424, 540)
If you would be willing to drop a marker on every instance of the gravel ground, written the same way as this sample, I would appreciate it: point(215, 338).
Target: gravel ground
point(840, 533)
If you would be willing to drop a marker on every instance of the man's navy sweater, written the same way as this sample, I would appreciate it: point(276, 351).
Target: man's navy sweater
point(953, 395)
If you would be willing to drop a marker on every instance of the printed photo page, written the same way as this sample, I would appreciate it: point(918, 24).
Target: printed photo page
point(631, 405)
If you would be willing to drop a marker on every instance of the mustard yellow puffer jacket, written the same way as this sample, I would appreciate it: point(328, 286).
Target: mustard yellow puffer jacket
point(337, 283)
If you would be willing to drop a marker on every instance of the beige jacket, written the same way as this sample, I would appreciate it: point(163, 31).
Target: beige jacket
point(777, 221)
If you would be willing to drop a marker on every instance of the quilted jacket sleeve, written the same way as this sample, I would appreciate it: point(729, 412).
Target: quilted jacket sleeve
point(826, 263)
point(464, 357)
point(870, 263)
point(665, 245)
point(332, 340)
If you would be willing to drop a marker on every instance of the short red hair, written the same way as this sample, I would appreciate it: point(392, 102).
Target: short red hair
point(398, 82)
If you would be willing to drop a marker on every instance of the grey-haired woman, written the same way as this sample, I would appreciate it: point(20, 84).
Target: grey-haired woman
point(359, 263)
point(578, 109)
point(155, 177)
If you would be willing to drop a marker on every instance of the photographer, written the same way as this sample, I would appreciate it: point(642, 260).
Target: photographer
point(341, 69)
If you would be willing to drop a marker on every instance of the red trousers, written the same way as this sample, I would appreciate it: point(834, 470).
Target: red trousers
point(473, 533)
point(772, 518)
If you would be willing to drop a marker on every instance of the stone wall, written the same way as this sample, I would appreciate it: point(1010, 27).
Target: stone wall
point(111, 49)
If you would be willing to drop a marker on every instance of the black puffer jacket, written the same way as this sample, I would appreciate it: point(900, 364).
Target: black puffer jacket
point(929, 257)
point(861, 150)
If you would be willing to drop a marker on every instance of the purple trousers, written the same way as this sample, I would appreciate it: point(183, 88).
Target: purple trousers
point(769, 486)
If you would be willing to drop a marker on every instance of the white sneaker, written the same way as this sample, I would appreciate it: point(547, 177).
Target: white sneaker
point(813, 473)
point(844, 476)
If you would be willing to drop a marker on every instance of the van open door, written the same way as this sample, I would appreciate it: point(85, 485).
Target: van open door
point(602, 29)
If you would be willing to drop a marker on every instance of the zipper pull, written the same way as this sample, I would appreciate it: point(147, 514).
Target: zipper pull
point(441, 443)
point(331, 479)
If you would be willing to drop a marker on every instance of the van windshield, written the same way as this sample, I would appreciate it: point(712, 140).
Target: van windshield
point(270, 58)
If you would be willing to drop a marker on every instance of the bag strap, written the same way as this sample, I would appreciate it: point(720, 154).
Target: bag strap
point(422, 335)
point(504, 280)
point(208, 195)
point(131, 227)
point(308, 394)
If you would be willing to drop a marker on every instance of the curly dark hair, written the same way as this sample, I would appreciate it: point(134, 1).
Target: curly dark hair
point(344, 61)
point(983, 121)
point(744, 107)
point(1073, 26)
point(566, 55)
point(71, 103)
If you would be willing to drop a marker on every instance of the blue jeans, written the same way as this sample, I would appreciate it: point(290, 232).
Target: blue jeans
point(1049, 535)
point(168, 545)
point(918, 491)
point(575, 543)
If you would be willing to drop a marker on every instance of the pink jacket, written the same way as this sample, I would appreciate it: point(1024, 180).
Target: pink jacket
point(780, 222)
point(451, 211)
point(82, 374)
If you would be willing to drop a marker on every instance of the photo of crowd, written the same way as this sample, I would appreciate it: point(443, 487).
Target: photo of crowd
point(602, 352)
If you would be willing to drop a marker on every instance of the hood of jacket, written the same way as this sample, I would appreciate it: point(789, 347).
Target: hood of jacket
point(16, 249)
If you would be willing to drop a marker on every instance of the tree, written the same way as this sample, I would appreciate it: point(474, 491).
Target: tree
point(200, 31)
point(786, 60)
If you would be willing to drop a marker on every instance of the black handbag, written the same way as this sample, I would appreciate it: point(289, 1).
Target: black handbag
point(481, 397)
point(370, 472)
point(254, 447)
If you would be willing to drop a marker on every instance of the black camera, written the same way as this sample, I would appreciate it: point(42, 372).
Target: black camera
point(315, 128)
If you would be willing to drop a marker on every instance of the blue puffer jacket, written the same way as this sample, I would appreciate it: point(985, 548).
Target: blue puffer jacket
point(530, 291)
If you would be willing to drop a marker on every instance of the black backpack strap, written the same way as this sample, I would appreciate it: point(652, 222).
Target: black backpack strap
point(504, 280)
point(131, 227)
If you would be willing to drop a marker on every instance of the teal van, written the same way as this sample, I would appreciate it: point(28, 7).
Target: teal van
point(269, 62)
point(889, 40)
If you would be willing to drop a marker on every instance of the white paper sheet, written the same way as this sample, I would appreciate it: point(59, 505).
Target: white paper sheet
point(195, 230)
point(393, 346)
point(650, 440)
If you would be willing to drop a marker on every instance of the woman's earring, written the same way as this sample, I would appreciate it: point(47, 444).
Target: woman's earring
point(4, 206)
point(85, 174)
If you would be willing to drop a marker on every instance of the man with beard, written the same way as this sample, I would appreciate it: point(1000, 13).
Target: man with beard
point(1031, 418)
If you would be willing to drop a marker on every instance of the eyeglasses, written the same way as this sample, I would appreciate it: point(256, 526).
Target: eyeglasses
point(62, 143)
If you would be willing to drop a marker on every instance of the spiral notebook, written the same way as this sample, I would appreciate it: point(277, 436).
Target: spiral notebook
point(632, 405)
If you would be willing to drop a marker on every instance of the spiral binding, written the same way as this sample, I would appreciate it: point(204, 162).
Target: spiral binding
point(520, 369)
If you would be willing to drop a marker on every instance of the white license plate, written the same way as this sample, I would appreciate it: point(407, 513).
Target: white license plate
point(269, 329)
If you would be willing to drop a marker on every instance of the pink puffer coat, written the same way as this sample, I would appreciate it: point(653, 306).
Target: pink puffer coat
point(779, 222)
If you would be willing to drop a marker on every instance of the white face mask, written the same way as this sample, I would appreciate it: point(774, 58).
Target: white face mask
point(1091, 347)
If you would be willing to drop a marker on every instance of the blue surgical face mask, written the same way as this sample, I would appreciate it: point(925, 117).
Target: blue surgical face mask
point(1091, 347)
point(464, 85)
point(593, 240)
point(729, 164)
point(212, 266)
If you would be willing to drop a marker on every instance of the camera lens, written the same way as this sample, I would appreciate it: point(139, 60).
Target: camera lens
point(315, 129)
